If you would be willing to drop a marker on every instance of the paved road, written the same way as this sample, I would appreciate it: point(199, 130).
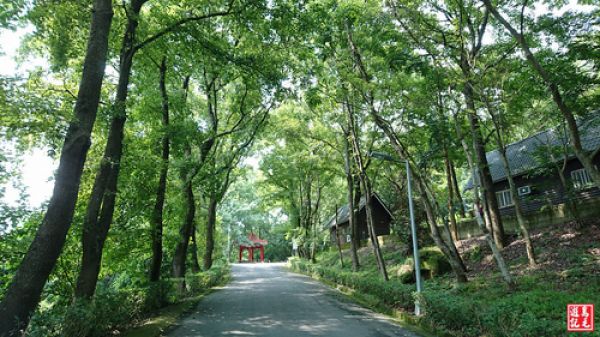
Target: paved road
point(267, 300)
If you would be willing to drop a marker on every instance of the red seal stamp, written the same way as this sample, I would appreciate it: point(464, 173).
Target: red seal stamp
point(580, 317)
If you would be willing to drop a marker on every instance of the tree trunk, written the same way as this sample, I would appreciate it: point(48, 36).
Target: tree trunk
point(454, 259)
point(518, 209)
point(24, 291)
point(512, 186)
point(157, 214)
point(483, 169)
point(337, 237)
point(315, 221)
point(355, 240)
point(584, 158)
point(355, 211)
point(194, 251)
point(436, 211)
point(451, 215)
point(568, 192)
point(477, 210)
point(210, 231)
point(365, 183)
point(456, 264)
point(488, 238)
point(459, 198)
point(184, 232)
point(366, 188)
point(101, 204)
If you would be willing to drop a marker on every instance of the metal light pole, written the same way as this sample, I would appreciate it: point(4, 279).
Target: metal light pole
point(413, 226)
point(413, 229)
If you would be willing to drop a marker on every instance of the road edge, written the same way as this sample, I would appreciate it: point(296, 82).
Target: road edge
point(166, 319)
point(346, 293)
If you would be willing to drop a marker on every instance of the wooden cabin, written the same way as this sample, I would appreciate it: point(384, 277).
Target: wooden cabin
point(382, 218)
point(535, 175)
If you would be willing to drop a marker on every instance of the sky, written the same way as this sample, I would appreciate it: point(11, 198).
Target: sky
point(37, 169)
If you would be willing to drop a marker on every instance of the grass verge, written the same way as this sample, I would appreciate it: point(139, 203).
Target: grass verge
point(368, 301)
point(568, 272)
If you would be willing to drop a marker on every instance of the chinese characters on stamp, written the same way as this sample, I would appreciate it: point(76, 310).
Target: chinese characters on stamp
point(580, 317)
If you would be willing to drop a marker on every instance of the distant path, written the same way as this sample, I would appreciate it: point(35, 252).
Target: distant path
point(267, 300)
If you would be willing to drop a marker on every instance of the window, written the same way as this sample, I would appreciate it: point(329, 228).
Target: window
point(581, 178)
point(348, 238)
point(504, 198)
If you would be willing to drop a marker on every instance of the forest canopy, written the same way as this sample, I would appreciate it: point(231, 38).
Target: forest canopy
point(179, 128)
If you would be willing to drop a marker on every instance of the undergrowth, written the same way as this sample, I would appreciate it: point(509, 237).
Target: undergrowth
point(482, 307)
point(118, 304)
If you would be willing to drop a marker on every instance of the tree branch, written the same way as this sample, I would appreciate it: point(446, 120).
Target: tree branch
point(180, 23)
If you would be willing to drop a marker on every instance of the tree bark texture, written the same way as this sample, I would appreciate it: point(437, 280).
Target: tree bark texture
point(456, 189)
point(194, 251)
point(455, 263)
point(366, 189)
point(488, 238)
point(485, 177)
point(350, 182)
point(523, 225)
point(337, 238)
point(184, 232)
point(157, 213)
point(210, 231)
point(478, 210)
point(24, 291)
point(451, 213)
point(518, 208)
point(101, 205)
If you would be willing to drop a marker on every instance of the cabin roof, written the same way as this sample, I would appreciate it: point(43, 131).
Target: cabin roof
point(343, 212)
point(526, 154)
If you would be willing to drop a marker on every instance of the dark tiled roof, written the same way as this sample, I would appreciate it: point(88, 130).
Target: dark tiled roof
point(343, 212)
point(524, 155)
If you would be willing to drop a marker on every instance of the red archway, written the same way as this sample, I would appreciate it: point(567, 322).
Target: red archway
point(253, 243)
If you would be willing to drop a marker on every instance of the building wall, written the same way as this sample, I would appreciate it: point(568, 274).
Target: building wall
point(381, 221)
point(545, 206)
point(546, 191)
point(551, 216)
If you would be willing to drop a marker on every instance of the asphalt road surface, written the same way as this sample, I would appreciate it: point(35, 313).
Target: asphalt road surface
point(267, 300)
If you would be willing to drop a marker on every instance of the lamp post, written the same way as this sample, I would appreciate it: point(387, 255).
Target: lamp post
point(413, 226)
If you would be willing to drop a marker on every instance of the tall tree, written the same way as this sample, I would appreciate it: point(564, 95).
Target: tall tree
point(478, 210)
point(157, 214)
point(26, 287)
point(448, 248)
point(353, 201)
point(499, 132)
point(456, 36)
point(365, 185)
point(101, 205)
point(553, 87)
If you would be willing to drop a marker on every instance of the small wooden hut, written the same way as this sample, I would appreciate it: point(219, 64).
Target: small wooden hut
point(382, 218)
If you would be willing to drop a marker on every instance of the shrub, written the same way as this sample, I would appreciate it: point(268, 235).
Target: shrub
point(480, 308)
point(118, 303)
point(450, 313)
point(392, 293)
point(434, 261)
